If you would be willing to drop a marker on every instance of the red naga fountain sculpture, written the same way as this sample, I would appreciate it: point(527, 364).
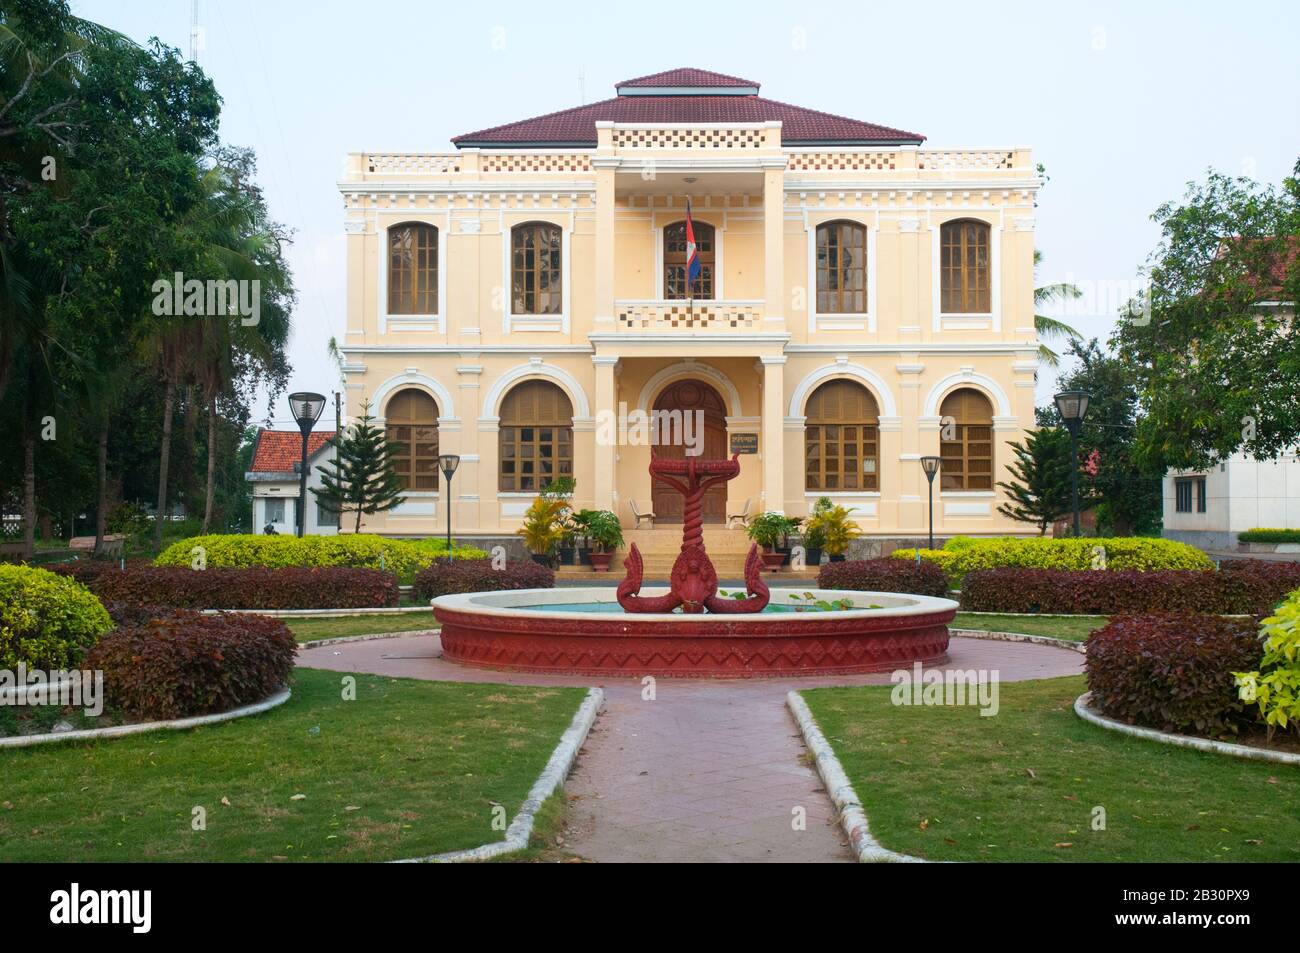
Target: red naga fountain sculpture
point(693, 582)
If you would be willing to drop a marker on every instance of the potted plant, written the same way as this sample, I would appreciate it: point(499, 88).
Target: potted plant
point(543, 528)
point(814, 536)
point(768, 529)
point(580, 526)
point(836, 528)
point(561, 488)
point(606, 535)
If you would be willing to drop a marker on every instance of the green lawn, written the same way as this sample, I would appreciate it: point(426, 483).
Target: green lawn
point(304, 630)
point(947, 784)
point(409, 768)
point(1073, 628)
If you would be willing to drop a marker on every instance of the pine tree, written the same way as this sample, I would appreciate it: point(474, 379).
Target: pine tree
point(1040, 491)
point(362, 476)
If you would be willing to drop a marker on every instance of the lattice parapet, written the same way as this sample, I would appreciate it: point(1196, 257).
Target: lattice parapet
point(683, 316)
point(687, 138)
point(842, 161)
point(535, 162)
point(411, 163)
point(967, 160)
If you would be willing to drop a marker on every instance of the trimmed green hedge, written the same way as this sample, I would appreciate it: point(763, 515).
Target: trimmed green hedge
point(963, 554)
point(402, 557)
point(1258, 535)
point(46, 621)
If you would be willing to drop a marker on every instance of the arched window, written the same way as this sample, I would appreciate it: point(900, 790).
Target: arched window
point(965, 273)
point(412, 433)
point(675, 261)
point(412, 269)
point(536, 437)
point(841, 268)
point(968, 455)
point(842, 438)
point(536, 279)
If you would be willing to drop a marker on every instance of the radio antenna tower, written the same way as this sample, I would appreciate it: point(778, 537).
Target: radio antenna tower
point(194, 31)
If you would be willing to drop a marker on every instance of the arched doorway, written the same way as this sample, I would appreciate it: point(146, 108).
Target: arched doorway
point(688, 397)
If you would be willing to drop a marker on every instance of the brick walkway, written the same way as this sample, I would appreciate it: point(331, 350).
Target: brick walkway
point(706, 771)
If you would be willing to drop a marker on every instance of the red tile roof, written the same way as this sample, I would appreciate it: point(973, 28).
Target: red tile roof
point(577, 126)
point(687, 76)
point(278, 450)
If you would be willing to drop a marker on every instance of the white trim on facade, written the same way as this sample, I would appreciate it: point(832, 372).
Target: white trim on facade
point(412, 377)
point(688, 369)
point(844, 368)
point(413, 322)
point(969, 378)
point(536, 368)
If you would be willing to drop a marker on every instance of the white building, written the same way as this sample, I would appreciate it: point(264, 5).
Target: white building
point(1208, 508)
point(274, 477)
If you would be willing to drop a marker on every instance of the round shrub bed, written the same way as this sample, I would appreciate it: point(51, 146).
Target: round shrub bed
point(963, 554)
point(47, 621)
point(478, 575)
point(168, 663)
point(1172, 671)
point(1252, 589)
point(885, 575)
point(290, 587)
point(402, 557)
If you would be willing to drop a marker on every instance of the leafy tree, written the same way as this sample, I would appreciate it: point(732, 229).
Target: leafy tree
point(1128, 493)
point(362, 477)
point(1048, 327)
point(1040, 490)
point(1214, 343)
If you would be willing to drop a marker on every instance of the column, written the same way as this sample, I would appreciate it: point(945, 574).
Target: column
point(774, 246)
point(774, 433)
point(604, 246)
point(605, 444)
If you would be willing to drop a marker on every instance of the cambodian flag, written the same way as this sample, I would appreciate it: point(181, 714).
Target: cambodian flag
point(692, 259)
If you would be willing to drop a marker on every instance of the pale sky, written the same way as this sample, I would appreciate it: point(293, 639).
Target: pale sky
point(1123, 102)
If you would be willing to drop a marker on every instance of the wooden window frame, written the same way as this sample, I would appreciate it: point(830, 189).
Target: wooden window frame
point(965, 286)
point(970, 431)
point(529, 268)
point(405, 445)
point(674, 271)
point(829, 273)
point(419, 282)
point(525, 448)
point(849, 438)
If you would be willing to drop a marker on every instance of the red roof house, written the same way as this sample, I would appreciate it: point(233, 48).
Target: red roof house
point(278, 451)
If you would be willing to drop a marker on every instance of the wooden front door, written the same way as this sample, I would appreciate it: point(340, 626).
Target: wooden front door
point(689, 396)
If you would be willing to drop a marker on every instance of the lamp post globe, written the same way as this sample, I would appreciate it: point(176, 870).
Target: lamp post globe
point(448, 462)
point(930, 465)
point(306, 407)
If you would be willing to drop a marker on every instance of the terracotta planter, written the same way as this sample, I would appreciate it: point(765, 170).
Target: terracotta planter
point(772, 561)
point(600, 561)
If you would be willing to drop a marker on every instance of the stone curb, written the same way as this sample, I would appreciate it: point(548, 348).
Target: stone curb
point(852, 817)
point(551, 778)
point(1019, 637)
point(321, 613)
point(1082, 709)
point(177, 724)
point(342, 639)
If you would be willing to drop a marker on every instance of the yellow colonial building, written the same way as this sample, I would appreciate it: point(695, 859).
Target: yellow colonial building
point(863, 301)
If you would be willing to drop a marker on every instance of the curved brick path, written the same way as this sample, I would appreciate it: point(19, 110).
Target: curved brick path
point(708, 770)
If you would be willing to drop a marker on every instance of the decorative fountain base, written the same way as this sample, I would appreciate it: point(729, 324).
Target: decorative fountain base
point(585, 632)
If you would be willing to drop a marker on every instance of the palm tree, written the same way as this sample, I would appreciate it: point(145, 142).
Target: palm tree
point(1048, 327)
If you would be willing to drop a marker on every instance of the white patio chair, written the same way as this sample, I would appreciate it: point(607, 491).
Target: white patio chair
point(742, 514)
point(636, 511)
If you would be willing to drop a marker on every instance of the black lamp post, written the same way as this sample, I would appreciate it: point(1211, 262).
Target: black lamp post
point(1072, 405)
point(306, 408)
point(449, 462)
point(931, 466)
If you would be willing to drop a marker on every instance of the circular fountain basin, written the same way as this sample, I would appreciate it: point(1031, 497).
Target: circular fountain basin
point(584, 631)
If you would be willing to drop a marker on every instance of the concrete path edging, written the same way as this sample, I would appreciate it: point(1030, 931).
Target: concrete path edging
point(343, 639)
point(322, 613)
point(840, 789)
point(1084, 711)
point(551, 778)
point(176, 724)
point(1019, 637)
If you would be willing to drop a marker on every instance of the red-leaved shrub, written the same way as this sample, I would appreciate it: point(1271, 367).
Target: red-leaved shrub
point(477, 575)
point(885, 575)
point(259, 588)
point(1248, 590)
point(1172, 671)
point(185, 663)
